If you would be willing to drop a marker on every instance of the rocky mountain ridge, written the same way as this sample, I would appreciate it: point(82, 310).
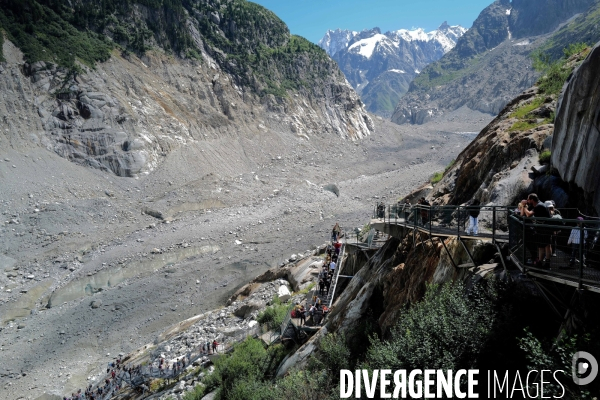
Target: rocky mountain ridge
point(381, 66)
point(125, 114)
point(490, 63)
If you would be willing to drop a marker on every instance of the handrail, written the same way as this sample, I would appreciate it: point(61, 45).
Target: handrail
point(337, 273)
point(573, 260)
point(443, 217)
point(576, 266)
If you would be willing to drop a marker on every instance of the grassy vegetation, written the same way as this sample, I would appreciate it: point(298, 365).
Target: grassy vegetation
point(523, 125)
point(156, 384)
point(524, 110)
point(556, 72)
point(439, 175)
point(436, 177)
point(545, 157)
point(307, 289)
point(274, 314)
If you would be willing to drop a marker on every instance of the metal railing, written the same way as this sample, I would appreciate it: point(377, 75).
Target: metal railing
point(574, 246)
point(575, 261)
point(331, 292)
point(449, 220)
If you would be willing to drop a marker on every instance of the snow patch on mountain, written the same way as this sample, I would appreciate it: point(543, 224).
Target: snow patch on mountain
point(367, 41)
point(365, 47)
point(415, 34)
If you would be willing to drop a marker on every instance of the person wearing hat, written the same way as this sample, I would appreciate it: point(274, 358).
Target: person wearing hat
point(575, 239)
point(556, 215)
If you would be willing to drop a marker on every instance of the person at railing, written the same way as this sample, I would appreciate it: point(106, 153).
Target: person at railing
point(575, 240)
point(405, 209)
point(424, 210)
point(381, 210)
point(215, 344)
point(555, 214)
point(534, 208)
point(473, 209)
point(302, 315)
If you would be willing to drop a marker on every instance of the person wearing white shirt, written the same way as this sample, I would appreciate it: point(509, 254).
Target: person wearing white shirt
point(575, 239)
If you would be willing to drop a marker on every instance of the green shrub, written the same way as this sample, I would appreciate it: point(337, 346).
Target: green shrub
point(334, 355)
point(246, 361)
point(450, 165)
point(545, 157)
point(243, 373)
point(446, 330)
point(555, 73)
point(524, 110)
point(436, 177)
point(274, 314)
point(575, 48)
point(557, 355)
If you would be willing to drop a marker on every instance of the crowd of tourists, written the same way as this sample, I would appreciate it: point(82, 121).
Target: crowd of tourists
point(542, 242)
point(315, 310)
point(118, 375)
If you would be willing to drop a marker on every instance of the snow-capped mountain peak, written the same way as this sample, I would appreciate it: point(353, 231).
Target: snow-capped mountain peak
point(365, 47)
point(336, 40)
point(381, 66)
point(365, 42)
point(411, 35)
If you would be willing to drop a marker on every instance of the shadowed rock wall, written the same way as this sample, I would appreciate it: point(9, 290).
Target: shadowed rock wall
point(576, 143)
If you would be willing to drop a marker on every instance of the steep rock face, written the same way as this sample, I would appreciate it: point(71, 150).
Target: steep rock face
point(575, 145)
point(336, 40)
point(129, 112)
point(491, 63)
point(491, 168)
point(536, 17)
point(381, 66)
point(396, 276)
point(488, 31)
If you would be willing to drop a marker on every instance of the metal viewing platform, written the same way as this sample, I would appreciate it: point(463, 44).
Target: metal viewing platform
point(574, 262)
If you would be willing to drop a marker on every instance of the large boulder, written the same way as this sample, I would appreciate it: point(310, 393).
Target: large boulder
point(576, 143)
point(283, 293)
point(247, 309)
point(301, 272)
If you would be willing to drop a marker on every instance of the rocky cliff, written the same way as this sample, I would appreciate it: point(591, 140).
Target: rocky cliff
point(490, 64)
point(231, 72)
point(496, 167)
point(575, 143)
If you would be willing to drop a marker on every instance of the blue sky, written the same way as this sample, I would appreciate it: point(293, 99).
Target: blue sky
point(312, 18)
